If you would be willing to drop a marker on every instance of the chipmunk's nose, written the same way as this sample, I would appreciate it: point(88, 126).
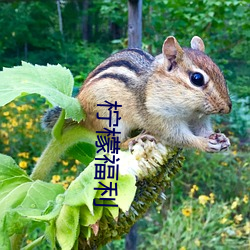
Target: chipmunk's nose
point(227, 108)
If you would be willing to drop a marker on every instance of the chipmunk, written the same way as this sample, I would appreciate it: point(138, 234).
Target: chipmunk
point(170, 96)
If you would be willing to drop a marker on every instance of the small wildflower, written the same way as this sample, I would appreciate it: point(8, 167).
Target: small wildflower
point(28, 241)
point(247, 227)
point(73, 168)
point(235, 203)
point(223, 220)
point(77, 162)
point(24, 154)
point(29, 124)
point(65, 163)
point(234, 152)
point(4, 134)
point(203, 199)
point(70, 178)
point(223, 235)
point(35, 159)
point(6, 141)
point(187, 211)
point(238, 218)
point(224, 164)
point(183, 248)
point(12, 105)
point(193, 190)
point(23, 164)
point(245, 199)
point(238, 233)
point(211, 195)
point(14, 123)
point(6, 113)
point(55, 178)
point(197, 242)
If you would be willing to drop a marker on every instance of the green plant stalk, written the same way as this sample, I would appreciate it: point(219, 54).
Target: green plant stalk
point(57, 146)
point(52, 153)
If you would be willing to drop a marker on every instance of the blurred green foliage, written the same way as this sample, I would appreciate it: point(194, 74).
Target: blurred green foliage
point(30, 31)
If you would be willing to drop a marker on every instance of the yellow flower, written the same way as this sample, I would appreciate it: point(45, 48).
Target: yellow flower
point(183, 248)
point(223, 220)
point(35, 159)
point(234, 152)
point(203, 199)
point(245, 199)
point(235, 203)
point(193, 190)
point(28, 241)
point(238, 218)
point(55, 178)
point(23, 164)
point(4, 134)
point(29, 124)
point(6, 113)
point(24, 154)
point(187, 211)
point(65, 163)
point(224, 164)
point(73, 168)
point(223, 235)
point(77, 162)
point(12, 105)
point(211, 195)
point(247, 227)
point(238, 233)
point(70, 178)
point(197, 242)
point(6, 141)
point(14, 123)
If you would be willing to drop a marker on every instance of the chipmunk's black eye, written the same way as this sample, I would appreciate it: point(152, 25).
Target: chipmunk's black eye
point(197, 79)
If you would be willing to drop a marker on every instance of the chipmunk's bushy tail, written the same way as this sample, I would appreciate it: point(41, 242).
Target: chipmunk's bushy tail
point(50, 117)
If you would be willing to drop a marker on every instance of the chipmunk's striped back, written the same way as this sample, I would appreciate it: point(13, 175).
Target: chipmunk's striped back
point(124, 66)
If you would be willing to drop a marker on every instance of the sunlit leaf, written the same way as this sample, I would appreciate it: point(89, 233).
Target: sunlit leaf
point(53, 82)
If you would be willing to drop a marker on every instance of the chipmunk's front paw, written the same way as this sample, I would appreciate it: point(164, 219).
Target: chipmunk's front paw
point(217, 142)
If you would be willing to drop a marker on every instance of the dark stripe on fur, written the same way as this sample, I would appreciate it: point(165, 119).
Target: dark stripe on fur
point(118, 63)
point(118, 77)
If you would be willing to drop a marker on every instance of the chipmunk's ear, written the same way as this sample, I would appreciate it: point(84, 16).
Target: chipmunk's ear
point(197, 43)
point(171, 49)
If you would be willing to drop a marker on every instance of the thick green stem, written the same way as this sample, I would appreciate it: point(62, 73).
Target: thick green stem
point(57, 146)
point(50, 156)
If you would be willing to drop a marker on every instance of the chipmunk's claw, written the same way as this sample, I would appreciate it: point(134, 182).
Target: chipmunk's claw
point(218, 142)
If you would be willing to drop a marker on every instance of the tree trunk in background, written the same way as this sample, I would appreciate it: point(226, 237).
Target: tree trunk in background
point(59, 16)
point(135, 23)
point(134, 41)
point(85, 20)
